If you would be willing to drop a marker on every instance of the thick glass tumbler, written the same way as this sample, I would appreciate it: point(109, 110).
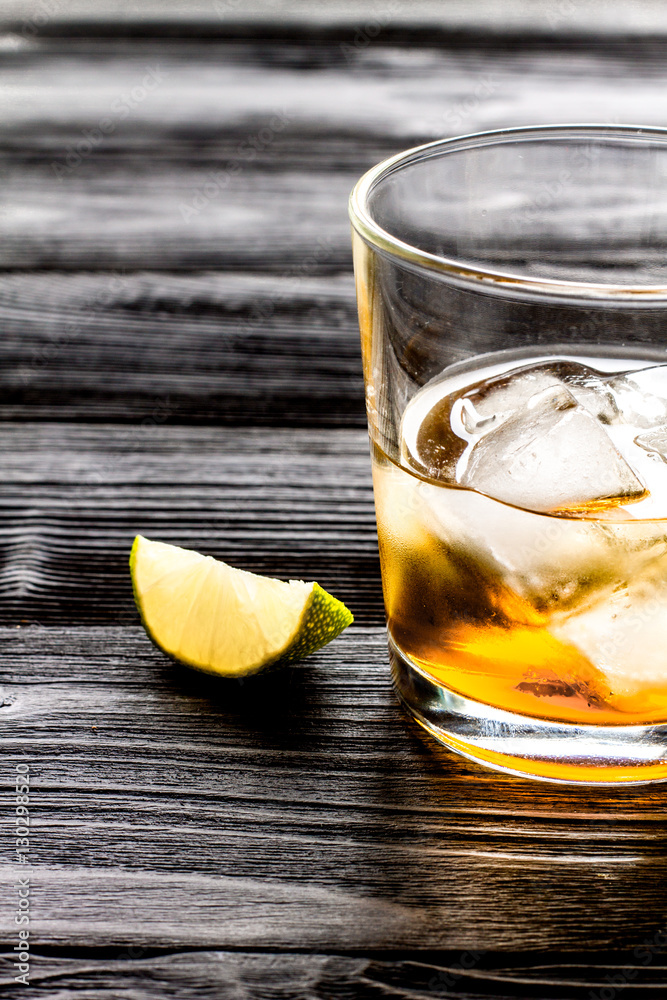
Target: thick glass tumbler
point(512, 293)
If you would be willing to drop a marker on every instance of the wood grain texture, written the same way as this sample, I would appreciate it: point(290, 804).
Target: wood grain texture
point(275, 218)
point(594, 18)
point(339, 104)
point(290, 503)
point(180, 348)
point(179, 356)
point(297, 810)
point(242, 156)
point(138, 974)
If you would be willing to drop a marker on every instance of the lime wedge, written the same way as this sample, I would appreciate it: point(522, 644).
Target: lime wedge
point(224, 620)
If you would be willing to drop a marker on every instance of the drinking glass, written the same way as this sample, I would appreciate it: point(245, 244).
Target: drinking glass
point(512, 296)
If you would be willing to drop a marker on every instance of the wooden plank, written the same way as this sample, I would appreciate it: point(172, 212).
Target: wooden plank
point(177, 183)
point(297, 811)
point(139, 975)
point(592, 16)
point(187, 348)
point(300, 811)
point(129, 218)
point(299, 104)
point(294, 504)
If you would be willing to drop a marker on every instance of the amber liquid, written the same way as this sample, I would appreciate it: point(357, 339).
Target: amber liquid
point(554, 617)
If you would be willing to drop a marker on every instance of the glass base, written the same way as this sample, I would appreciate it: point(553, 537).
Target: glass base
point(531, 748)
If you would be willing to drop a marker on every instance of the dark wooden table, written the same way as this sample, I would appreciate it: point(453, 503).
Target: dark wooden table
point(179, 357)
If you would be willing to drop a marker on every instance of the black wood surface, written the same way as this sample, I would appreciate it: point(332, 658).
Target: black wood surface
point(293, 503)
point(179, 356)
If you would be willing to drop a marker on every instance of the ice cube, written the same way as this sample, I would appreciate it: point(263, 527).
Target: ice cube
point(550, 455)
point(555, 563)
point(501, 397)
point(623, 636)
point(654, 441)
point(428, 442)
point(434, 438)
point(641, 396)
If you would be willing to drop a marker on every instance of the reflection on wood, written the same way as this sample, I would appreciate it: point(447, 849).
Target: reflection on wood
point(145, 974)
point(298, 807)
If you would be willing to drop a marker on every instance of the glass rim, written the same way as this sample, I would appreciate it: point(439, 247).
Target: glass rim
point(482, 277)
